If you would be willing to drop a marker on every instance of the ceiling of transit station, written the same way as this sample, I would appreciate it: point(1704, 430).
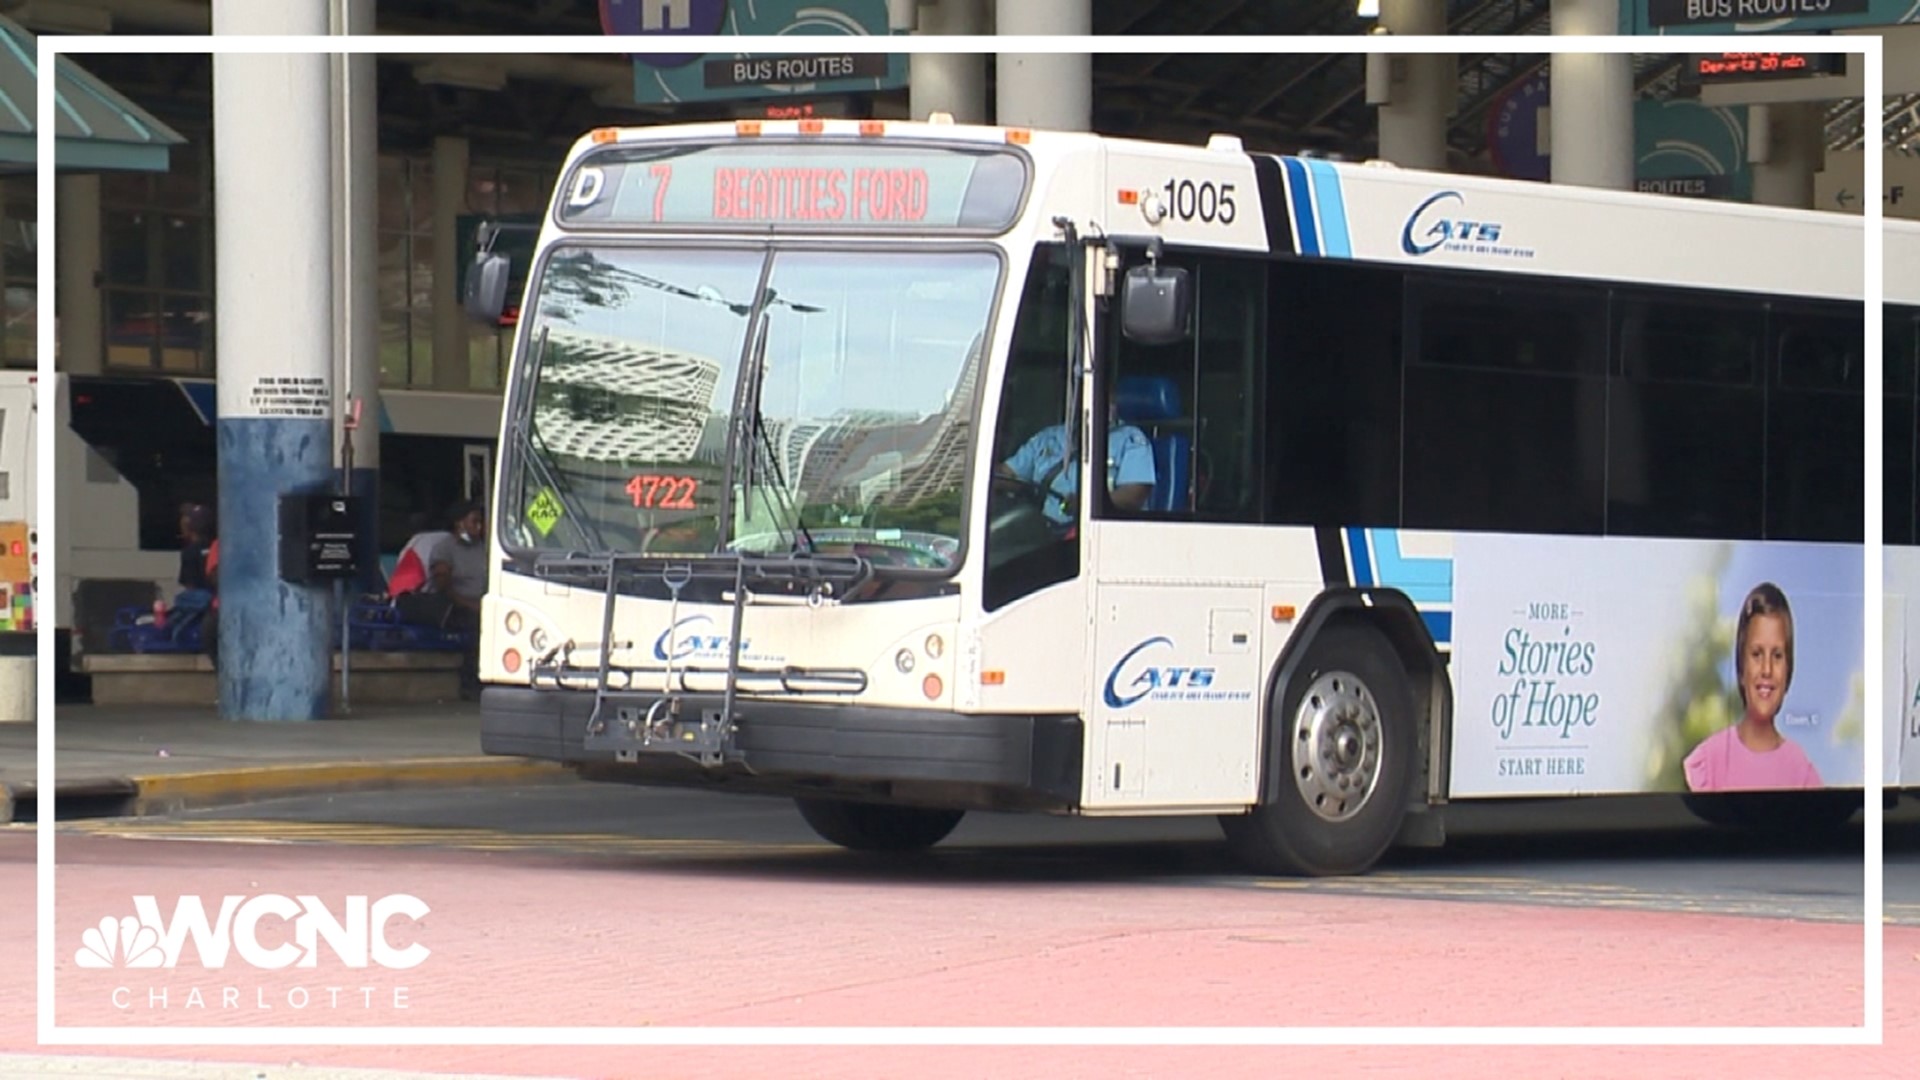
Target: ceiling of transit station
point(1276, 102)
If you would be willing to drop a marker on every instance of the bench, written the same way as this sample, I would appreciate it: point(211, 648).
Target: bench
point(373, 625)
point(412, 677)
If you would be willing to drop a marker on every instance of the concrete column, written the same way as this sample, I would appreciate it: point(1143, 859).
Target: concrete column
point(272, 200)
point(449, 316)
point(357, 267)
point(81, 307)
point(1420, 90)
point(1591, 122)
point(953, 84)
point(1787, 146)
point(1043, 90)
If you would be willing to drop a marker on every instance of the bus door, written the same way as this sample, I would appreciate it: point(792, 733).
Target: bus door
point(1177, 660)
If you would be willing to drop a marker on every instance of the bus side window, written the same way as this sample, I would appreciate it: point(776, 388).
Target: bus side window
point(1194, 400)
point(1816, 421)
point(1511, 413)
point(1901, 345)
point(1686, 417)
point(1233, 342)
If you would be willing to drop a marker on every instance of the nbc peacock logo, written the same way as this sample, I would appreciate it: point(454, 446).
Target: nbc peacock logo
point(122, 942)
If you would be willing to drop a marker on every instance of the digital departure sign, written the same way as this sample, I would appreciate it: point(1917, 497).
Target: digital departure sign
point(1747, 67)
point(818, 183)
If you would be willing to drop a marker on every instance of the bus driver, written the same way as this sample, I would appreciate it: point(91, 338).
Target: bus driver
point(1041, 461)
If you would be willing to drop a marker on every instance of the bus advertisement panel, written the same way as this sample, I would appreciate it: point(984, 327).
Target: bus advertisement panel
point(1903, 662)
point(1660, 666)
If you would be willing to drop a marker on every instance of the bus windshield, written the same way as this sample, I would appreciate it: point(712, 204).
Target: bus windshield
point(688, 401)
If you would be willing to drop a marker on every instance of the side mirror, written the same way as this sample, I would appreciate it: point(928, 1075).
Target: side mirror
point(1154, 304)
point(486, 295)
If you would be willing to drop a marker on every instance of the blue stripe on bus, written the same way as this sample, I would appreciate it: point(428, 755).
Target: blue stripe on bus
point(1428, 580)
point(1376, 558)
point(1333, 208)
point(1302, 206)
point(1357, 552)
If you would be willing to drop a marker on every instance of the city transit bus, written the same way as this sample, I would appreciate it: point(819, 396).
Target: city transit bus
point(1400, 489)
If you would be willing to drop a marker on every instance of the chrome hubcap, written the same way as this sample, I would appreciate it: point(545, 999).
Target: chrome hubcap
point(1337, 746)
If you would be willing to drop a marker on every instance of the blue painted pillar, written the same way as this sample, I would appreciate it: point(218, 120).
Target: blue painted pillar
point(274, 325)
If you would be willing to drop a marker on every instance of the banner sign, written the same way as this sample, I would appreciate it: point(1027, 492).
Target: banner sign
point(1761, 16)
point(1586, 666)
point(813, 68)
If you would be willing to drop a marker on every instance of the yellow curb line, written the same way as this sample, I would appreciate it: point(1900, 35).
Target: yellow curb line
point(337, 776)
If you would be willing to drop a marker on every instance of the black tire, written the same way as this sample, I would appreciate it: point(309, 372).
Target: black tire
point(874, 827)
point(1790, 815)
point(1347, 664)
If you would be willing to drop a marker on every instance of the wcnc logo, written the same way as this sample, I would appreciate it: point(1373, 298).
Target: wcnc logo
point(147, 940)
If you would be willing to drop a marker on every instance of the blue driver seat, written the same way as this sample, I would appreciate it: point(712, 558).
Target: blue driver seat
point(1150, 402)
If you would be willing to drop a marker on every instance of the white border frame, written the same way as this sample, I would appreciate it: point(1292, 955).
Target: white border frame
point(1869, 48)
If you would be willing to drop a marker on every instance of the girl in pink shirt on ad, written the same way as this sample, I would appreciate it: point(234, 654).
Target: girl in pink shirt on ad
point(1753, 754)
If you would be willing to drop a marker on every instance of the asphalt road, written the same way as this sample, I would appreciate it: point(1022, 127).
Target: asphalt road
point(1637, 854)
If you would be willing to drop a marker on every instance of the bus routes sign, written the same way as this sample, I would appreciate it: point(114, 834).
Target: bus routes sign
point(669, 78)
point(1693, 12)
point(1760, 16)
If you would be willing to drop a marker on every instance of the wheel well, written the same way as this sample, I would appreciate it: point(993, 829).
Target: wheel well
point(1393, 614)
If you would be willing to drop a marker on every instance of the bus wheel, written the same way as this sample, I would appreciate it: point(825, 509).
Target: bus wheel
point(1346, 747)
point(874, 827)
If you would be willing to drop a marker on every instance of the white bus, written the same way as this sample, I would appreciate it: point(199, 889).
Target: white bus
point(1405, 488)
point(1901, 531)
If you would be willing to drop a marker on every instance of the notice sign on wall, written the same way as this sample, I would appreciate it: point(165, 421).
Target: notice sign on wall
point(301, 397)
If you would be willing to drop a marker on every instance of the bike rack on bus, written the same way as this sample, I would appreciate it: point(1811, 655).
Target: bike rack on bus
point(630, 714)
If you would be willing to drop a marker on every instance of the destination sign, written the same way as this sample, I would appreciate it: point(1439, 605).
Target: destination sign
point(813, 184)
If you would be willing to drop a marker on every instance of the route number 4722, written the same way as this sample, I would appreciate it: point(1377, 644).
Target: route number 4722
point(656, 492)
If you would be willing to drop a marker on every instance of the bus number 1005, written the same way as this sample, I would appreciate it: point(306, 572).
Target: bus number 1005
point(1205, 200)
point(663, 492)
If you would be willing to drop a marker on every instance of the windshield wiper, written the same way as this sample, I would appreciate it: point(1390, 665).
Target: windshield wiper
point(536, 456)
point(759, 447)
point(787, 504)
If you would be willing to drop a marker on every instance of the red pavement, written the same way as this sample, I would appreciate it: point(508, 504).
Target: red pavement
point(519, 942)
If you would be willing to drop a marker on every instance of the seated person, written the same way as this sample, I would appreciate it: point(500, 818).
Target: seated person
point(1041, 461)
point(456, 580)
point(410, 572)
point(195, 597)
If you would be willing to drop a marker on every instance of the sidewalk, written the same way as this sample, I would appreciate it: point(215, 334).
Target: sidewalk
point(118, 760)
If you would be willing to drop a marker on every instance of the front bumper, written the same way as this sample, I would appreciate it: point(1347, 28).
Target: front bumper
point(791, 745)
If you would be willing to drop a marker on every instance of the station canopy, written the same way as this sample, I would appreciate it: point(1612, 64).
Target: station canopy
point(96, 128)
